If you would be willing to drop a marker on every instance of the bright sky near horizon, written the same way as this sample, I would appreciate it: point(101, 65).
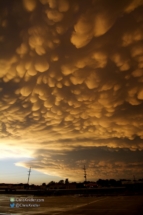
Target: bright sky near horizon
point(71, 89)
point(11, 173)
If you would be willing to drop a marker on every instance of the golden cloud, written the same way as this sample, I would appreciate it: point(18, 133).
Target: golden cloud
point(29, 5)
point(71, 77)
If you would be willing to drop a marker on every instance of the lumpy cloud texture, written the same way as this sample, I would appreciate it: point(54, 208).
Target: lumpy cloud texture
point(71, 85)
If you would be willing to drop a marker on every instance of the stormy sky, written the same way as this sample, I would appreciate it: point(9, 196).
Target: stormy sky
point(71, 86)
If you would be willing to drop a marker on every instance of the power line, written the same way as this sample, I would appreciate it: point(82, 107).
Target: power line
point(24, 173)
point(14, 173)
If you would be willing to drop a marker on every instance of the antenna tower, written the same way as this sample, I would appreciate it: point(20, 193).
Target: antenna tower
point(85, 175)
point(29, 175)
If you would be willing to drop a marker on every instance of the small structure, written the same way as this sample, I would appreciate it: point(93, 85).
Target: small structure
point(85, 175)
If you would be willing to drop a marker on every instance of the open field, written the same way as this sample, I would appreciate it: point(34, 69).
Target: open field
point(63, 192)
point(120, 205)
point(74, 205)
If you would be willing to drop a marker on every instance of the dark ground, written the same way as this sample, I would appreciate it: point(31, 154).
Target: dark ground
point(79, 205)
point(115, 205)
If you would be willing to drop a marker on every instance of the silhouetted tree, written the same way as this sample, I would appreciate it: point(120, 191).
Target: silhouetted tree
point(51, 182)
point(67, 181)
point(61, 182)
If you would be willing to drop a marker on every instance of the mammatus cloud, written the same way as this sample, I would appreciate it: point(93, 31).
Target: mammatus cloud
point(71, 80)
point(29, 5)
point(101, 162)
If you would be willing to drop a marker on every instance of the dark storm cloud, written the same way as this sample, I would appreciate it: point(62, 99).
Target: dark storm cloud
point(71, 75)
point(102, 162)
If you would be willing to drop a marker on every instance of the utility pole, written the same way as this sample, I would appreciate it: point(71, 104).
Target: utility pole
point(29, 175)
point(85, 173)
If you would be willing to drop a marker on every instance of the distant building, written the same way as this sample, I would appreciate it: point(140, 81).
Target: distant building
point(10, 187)
point(62, 186)
point(91, 185)
point(71, 186)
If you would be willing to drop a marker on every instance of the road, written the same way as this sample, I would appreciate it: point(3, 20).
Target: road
point(117, 205)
